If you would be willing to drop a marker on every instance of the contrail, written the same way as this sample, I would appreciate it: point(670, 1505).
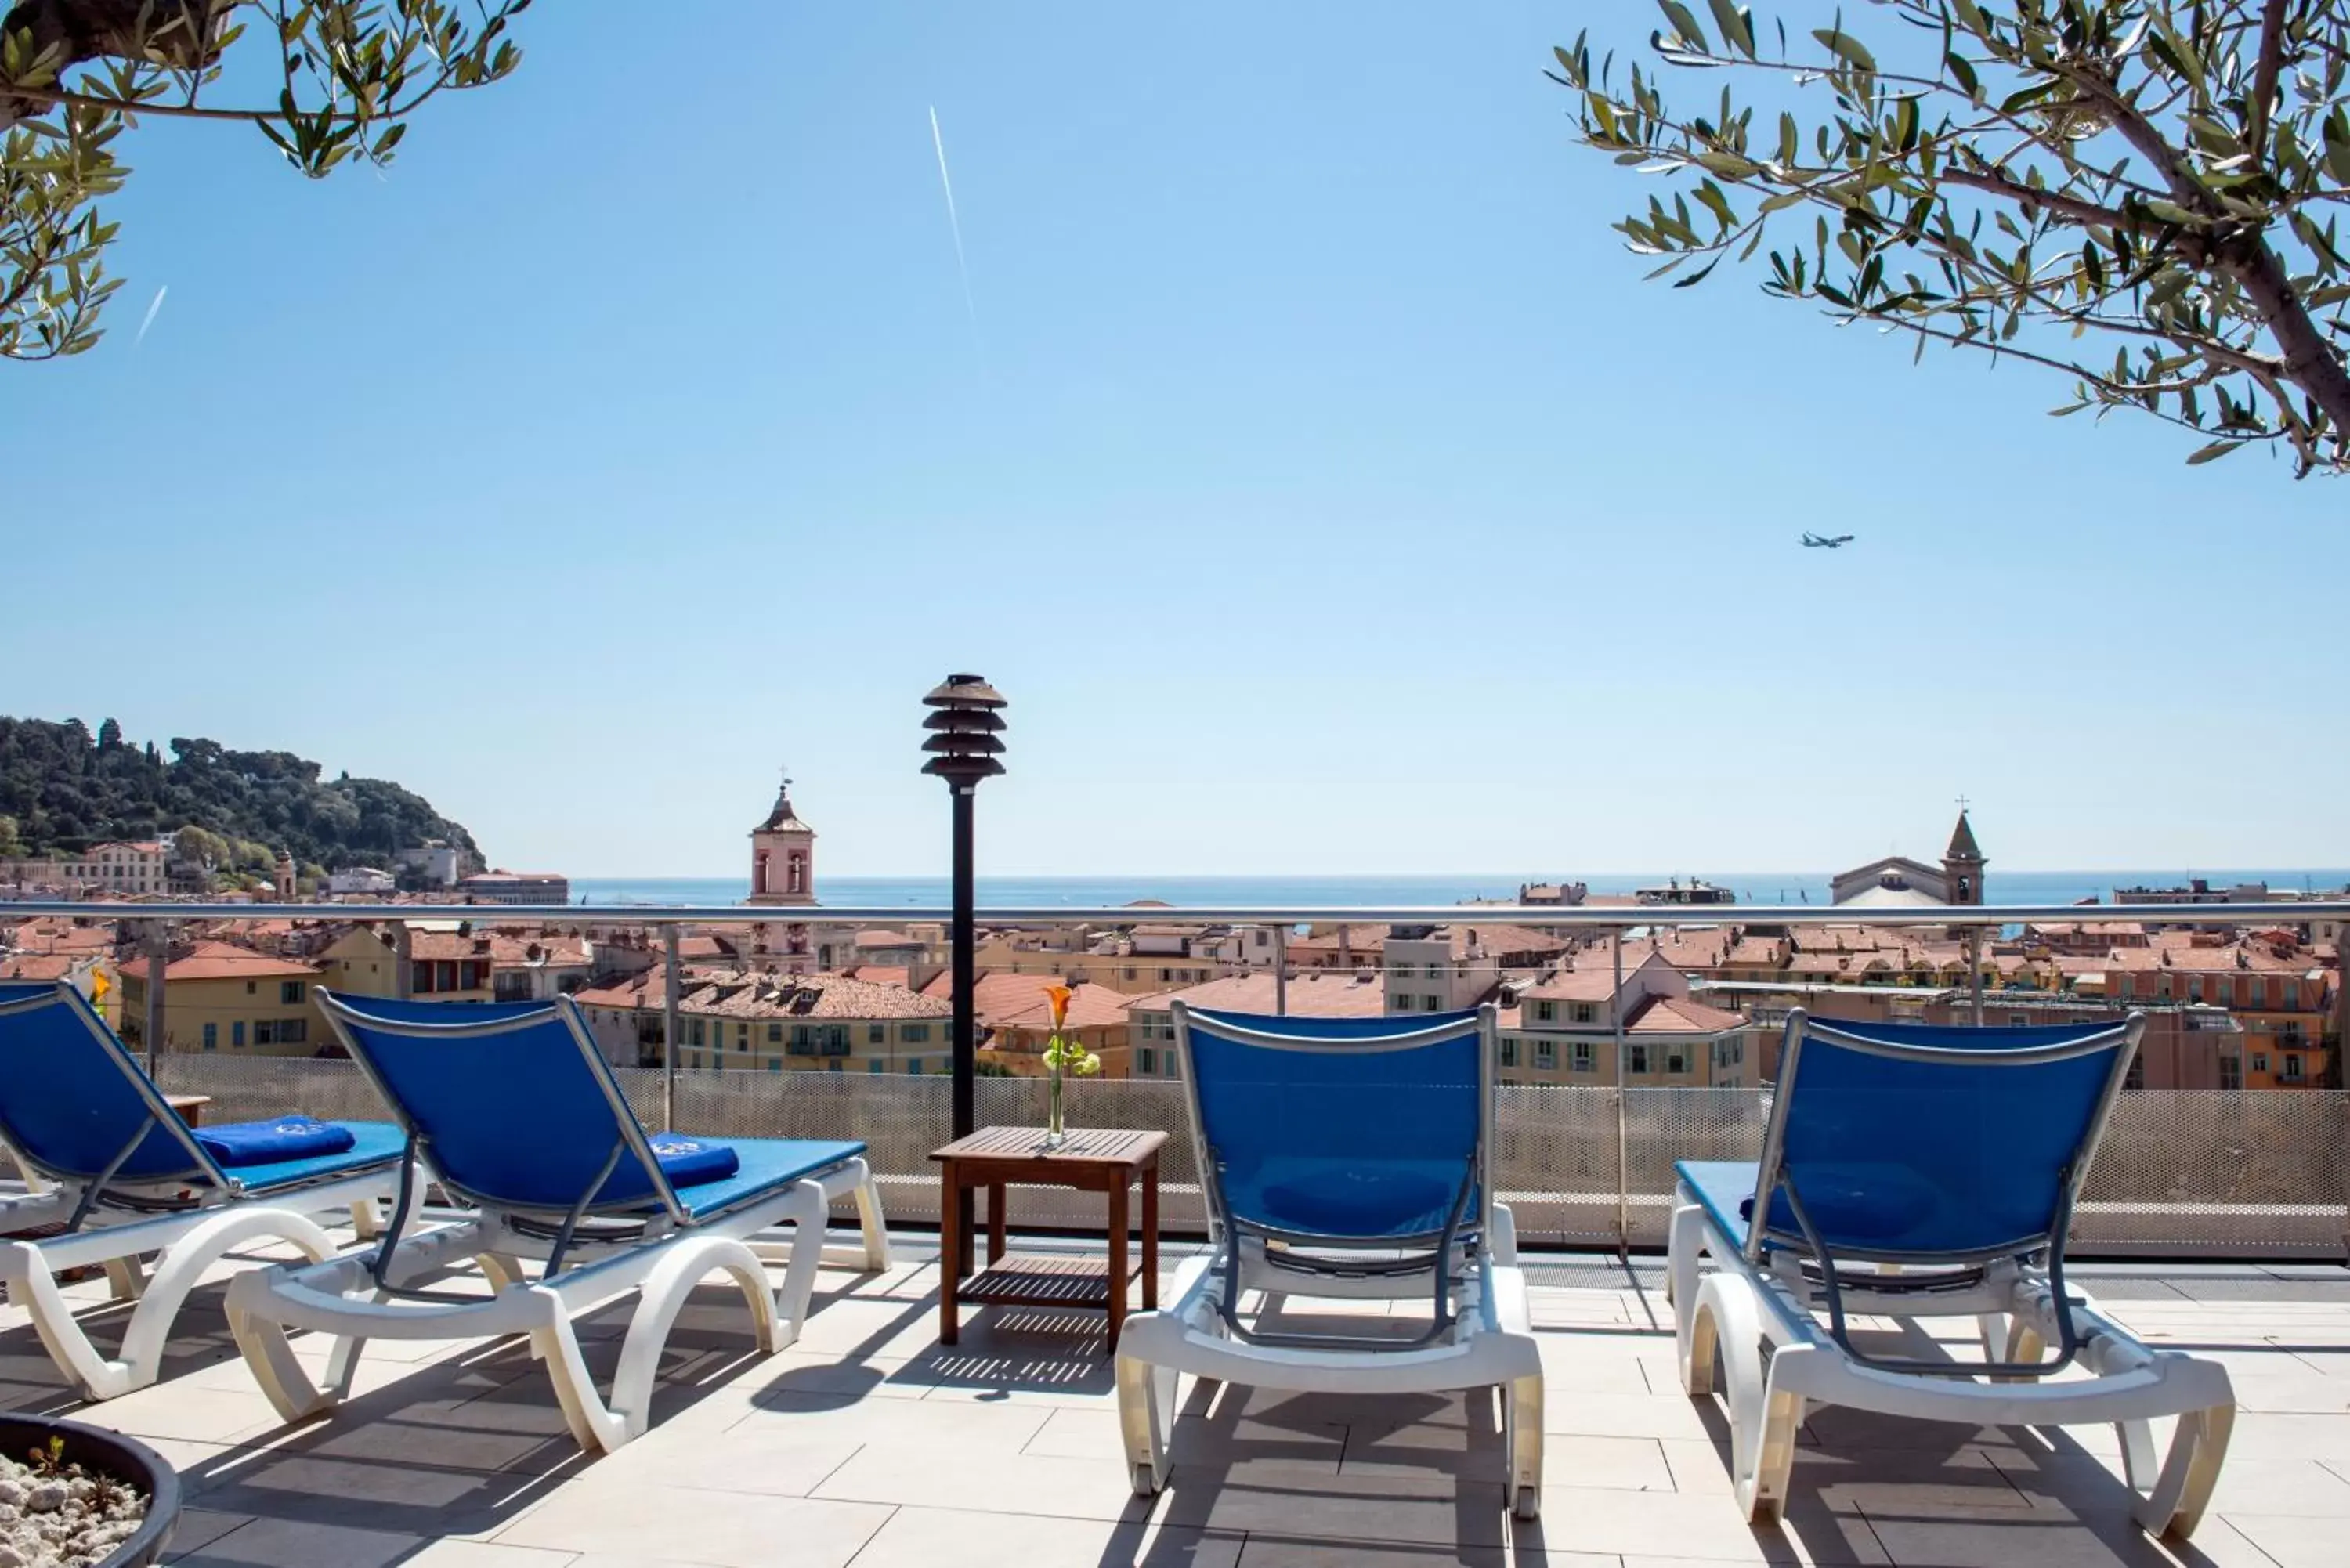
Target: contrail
point(954, 225)
point(151, 310)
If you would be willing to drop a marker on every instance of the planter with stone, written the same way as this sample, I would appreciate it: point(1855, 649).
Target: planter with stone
point(78, 1496)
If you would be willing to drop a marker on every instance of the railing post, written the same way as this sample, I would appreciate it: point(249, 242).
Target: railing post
point(1974, 973)
point(404, 961)
point(668, 1028)
point(1623, 1129)
point(159, 959)
point(1281, 970)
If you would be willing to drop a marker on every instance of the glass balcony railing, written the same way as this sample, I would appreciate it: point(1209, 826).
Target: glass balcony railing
point(2236, 1173)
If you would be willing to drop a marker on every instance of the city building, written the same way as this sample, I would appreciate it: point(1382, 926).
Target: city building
point(783, 855)
point(1563, 1029)
point(360, 880)
point(435, 865)
point(1443, 968)
point(1308, 993)
point(1675, 891)
point(449, 964)
point(359, 961)
point(503, 886)
point(1015, 1023)
point(1898, 881)
point(221, 997)
point(114, 869)
point(2278, 991)
point(746, 1020)
point(536, 968)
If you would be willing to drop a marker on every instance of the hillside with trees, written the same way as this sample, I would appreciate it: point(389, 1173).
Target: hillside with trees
point(63, 789)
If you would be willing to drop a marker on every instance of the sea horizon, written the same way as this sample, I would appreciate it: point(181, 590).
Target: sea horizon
point(1390, 889)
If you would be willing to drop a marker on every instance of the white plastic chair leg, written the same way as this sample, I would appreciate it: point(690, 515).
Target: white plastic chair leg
point(1146, 1416)
point(1684, 1246)
point(125, 1277)
point(1522, 1442)
point(597, 1425)
point(868, 1217)
point(1501, 1236)
point(182, 1268)
point(503, 1270)
point(2174, 1506)
point(1764, 1418)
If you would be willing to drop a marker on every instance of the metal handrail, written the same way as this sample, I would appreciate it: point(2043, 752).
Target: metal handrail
point(1533, 915)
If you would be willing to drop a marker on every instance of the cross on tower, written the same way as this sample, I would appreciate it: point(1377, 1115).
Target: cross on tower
point(1962, 802)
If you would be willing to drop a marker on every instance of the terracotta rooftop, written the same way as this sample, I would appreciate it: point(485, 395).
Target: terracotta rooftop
point(221, 960)
point(1680, 1015)
point(752, 994)
point(1311, 994)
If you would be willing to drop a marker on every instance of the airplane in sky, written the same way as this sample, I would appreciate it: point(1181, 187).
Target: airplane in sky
point(1827, 542)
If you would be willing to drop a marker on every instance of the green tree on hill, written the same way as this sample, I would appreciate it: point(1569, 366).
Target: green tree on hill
point(235, 810)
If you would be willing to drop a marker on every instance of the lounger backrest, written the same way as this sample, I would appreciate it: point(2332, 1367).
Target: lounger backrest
point(72, 1098)
point(1911, 1141)
point(1351, 1128)
point(511, 1102)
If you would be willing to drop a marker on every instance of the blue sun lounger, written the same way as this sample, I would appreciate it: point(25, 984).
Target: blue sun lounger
point(128, 1179)
point(1910, 1171)
point(512, 1110)
point(1341, 1158)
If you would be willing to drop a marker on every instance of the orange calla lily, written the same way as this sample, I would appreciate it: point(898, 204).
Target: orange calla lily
point(1059, 995)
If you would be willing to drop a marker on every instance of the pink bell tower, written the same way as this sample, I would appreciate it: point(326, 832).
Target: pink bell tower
point(783, 855)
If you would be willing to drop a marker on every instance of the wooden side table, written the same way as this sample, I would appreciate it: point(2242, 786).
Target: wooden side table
point(190, 1107)
point(1094, 1159)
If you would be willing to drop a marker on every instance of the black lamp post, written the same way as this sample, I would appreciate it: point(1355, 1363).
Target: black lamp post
point(963, 749)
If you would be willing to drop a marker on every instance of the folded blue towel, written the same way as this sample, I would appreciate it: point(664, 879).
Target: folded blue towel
point(268, 1143)
point(691, 1161)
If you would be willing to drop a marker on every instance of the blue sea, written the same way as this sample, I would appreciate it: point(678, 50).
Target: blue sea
point(1791, 888)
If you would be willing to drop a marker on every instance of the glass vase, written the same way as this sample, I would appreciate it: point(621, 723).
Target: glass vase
point(1054, 1134)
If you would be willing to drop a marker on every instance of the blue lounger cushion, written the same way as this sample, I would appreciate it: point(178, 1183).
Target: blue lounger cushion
point(1859, 1204)
point(764, 1167)
point(1345, 1197)
point(273, 1142)
point(689, 1161)
point(373, 1143)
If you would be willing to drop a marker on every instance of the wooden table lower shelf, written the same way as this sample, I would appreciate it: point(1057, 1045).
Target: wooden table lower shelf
point(1017, 1280)
point(1096, 1159)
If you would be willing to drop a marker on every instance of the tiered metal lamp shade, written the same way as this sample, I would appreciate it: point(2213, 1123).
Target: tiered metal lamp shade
point(964, 746)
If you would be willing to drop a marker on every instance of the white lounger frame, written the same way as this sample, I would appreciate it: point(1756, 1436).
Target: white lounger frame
point(1490, 1345)
point(121, 1239)
point(1759, 1314)
point(340, 1297)
point(665, 1260)
point(189, 1243)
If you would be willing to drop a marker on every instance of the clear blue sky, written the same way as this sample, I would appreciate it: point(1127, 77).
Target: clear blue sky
point(1324, 487)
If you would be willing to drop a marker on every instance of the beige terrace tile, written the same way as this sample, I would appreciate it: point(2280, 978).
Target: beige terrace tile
point(1572, 1460)
point(1699, 1465)
point(1221, 1438)
point(989, 1481)
point(2290, 1543)
point(1673, 1415)
point(910, 1424)
point(281, 1543)
point(1668, 1523)
point(927, 1537)
point(730, 1529)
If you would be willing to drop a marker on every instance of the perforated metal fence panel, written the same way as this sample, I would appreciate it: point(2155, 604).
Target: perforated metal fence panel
point(2259, 1173)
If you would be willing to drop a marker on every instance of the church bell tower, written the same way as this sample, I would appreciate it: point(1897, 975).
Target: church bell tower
point(1963, 865)
point(783, 855)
